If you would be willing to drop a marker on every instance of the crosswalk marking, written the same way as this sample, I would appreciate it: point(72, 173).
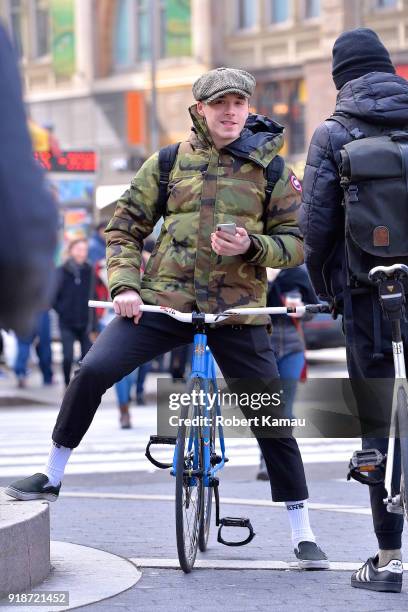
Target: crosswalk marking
point(25, 436)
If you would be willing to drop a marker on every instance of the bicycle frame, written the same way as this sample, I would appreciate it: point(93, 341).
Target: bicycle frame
point(391, 295)
point(400, 384)
point(203, 367)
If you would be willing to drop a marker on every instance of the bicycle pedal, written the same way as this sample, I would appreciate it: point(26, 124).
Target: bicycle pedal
point(230, 521)
point(393, 509)
point(364, 463)
point(393, 505)
point(163, 440)
point(155, 441)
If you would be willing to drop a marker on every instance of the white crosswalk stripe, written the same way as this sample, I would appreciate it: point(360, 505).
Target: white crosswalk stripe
point(25, 436)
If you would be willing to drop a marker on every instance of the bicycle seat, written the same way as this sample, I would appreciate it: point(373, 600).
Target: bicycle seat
point(382, 273)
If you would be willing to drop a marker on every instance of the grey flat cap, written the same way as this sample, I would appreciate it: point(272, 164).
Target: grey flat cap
point(221, 81)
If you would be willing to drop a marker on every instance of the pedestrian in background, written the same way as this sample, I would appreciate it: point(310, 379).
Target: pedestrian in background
point(97, 244)
point(290, 287)
point(42, 338)
point(75, 286)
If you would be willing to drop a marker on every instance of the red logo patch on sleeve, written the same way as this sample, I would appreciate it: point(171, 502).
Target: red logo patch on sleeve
point(295, 183)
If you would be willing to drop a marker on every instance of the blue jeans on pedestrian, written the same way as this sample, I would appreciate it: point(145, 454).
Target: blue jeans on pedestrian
point(124, 387)
point(142, 372)
point(43, 349)
point(290, 369)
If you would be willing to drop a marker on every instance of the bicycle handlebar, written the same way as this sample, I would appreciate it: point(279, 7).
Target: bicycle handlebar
point(187, 317)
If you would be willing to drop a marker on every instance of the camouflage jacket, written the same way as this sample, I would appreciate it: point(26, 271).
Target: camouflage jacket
point(207, 186)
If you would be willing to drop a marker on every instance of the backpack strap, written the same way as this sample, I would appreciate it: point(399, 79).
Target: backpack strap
point(167, 158)
point(358, 128)
point(273, 173)
point(349, 124)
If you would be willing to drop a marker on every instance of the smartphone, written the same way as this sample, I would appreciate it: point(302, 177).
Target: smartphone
point(229, 228)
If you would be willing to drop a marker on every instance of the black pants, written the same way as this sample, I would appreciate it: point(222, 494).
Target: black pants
point(68, 337)
point(123, 346)
point(365, 360)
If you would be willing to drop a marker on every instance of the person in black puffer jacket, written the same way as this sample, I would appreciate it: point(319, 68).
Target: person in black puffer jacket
point(369, 91)
point(291, 287)
point(75, 286)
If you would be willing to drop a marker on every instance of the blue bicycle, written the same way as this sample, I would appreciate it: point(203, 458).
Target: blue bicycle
point(196, 458)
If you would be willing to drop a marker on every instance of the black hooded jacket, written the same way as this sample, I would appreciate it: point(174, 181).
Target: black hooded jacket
point(378, 98)
point(75, 286)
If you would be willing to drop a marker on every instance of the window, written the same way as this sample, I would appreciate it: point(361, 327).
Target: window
point(386, 3)
point(284, 101)
point(15, 18)
point(175, 28)
point(162, 51)
point(132, 31)
point(122, 38)
point(143, 30)
point(312, 9)
point(279, 10)
point(246, 14)
point(42, 28)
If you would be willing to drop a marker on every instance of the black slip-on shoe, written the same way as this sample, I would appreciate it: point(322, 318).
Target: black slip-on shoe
point(33, 487)
point(311, 557)
point(386, 579)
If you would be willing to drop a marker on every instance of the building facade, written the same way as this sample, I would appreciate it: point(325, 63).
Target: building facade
point(287, 45)
point(87, 74)
point(88, 71)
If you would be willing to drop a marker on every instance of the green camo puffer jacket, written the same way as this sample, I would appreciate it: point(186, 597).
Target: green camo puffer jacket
point(207, 186)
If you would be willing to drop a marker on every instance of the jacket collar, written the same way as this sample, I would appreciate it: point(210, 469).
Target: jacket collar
point(377, 97)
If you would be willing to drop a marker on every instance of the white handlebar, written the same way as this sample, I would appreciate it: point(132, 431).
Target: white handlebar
point(186, 317)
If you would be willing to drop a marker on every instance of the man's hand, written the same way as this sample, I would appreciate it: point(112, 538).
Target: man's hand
point(227, 244)
point(127, 304)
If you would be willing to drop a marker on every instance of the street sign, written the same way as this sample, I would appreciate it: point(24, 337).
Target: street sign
point(67, 161)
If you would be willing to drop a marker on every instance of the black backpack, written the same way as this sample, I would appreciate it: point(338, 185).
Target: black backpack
point(374, 177)
point(167, 158)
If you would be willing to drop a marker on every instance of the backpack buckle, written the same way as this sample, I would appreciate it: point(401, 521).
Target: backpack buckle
point(353, 193)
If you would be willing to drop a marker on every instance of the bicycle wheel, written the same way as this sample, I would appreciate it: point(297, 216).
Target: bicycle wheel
point(189, 497)
point(205, 519)
point(403, 430)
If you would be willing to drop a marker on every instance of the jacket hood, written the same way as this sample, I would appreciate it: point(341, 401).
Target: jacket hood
point(376, 97)
point(260, 140)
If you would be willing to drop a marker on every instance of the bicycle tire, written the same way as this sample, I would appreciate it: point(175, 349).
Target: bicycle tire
point(186, 531)
point(403, 429)
point(207, 492)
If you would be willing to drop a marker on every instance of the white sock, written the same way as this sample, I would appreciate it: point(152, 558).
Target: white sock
point(298, 513)
point(57, 460)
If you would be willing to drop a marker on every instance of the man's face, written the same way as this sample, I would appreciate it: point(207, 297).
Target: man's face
point(79, 252)
point(225, 117)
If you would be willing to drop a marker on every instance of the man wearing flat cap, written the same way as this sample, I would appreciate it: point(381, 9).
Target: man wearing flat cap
point(227, 172)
